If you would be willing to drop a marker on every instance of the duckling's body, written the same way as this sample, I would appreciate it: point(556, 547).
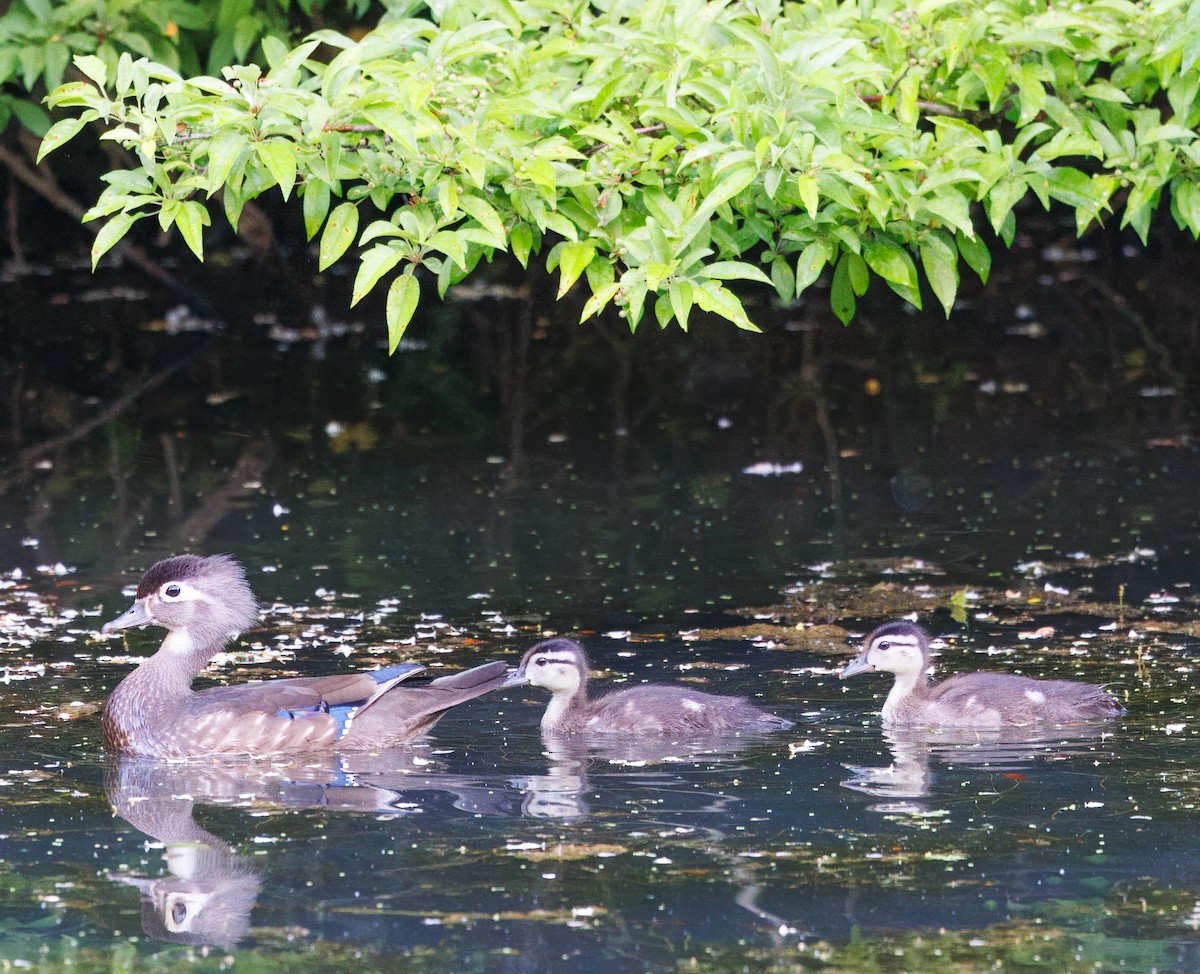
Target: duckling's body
point(970, 699)
point(202, 602)
point(561, 666)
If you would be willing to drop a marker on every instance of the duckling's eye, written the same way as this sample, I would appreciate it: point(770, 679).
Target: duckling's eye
point(172, 591)
point(541, 661)
point(179, 910)
point(883, 645)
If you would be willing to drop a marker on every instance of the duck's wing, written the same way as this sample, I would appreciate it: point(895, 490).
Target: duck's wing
point(276, 716)
point(297, 694)
point(677, 710)
point(1006, 698)
point(352, 711)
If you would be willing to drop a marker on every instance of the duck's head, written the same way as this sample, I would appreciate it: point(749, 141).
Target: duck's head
point(558, 665)
point(206, 597)
point(901, 648)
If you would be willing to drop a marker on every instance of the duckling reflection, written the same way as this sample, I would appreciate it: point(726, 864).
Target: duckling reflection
point(210, 889)
point(916, 752)
point(558, 793)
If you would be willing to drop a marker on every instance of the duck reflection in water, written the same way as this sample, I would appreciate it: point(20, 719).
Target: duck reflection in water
point(209, 889)
point(916, 753)
point(577, 764)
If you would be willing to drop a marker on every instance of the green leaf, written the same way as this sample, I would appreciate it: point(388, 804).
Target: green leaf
point(483, 214)
point(280, 159)
point(940, 261)
point(728, 270)
point(192, 218)
point(57, 57)
point(339, 233)
point(110, 234)
point(76, 94)
point(573, 258)
point(891, 262)
point(224, 149)
point(93, 68)
point(811, 262)
point(806, 186)
point(783, 279)
point(976, 254)
point(520, 242)
point(599, 300)
point(857, 270)
point(32, 116)
point(729, 186)
point(373, 265)
point(404, 295)
point(841, 294)
point(720, 300)
point(60, 132)
point(450, 244)
point(316, 205)
point(681, 294)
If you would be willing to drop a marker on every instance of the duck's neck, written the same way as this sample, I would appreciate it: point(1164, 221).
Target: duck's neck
point(564, 709)
point(150, 697)
point(907, 685)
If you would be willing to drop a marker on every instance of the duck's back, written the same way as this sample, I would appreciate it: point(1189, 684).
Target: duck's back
point(1000, 699)
point(653, 709)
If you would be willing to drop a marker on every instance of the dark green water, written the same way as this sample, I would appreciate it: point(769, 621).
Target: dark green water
point(1058, 488)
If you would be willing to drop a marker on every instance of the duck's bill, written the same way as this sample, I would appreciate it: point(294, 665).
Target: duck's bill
point(135, 616)
point(857, 665)
point(516, 678)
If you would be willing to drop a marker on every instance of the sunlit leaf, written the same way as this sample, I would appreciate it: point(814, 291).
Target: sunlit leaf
point(60, 132)
point(339, 233)
point(110, 234)
point(404, 295)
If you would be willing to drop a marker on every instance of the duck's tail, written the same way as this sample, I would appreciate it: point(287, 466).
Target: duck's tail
point(406, 710)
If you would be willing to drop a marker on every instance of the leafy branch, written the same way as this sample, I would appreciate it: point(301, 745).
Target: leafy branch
point(657, 151)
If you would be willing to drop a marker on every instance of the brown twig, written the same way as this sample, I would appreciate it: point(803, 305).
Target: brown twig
point(641, 130)
point(41, 180)
point(929, 107)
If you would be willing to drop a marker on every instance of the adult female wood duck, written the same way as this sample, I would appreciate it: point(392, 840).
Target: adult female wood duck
point(561, 666)
point(204, 601)
point(970, 699)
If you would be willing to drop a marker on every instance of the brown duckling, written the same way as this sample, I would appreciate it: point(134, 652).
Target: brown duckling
point(204, 601)
point(970, 699)
point(561, 666)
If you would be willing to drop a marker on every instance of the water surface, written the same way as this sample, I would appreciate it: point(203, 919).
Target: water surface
point(1034, 506)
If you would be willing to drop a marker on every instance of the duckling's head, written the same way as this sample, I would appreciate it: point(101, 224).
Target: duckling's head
point(901, 648)
point(559, 665)
point(207, 598)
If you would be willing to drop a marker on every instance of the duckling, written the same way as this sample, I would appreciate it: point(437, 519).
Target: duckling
point(970, 699)
point(561, 666)
point(204, 601)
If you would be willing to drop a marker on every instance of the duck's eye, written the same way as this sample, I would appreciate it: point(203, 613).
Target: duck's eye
point(179, 910)
point(884, 644)
point(172, 591)
point(541, 661)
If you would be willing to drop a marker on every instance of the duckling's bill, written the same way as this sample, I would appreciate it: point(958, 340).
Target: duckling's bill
point(857, 665)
